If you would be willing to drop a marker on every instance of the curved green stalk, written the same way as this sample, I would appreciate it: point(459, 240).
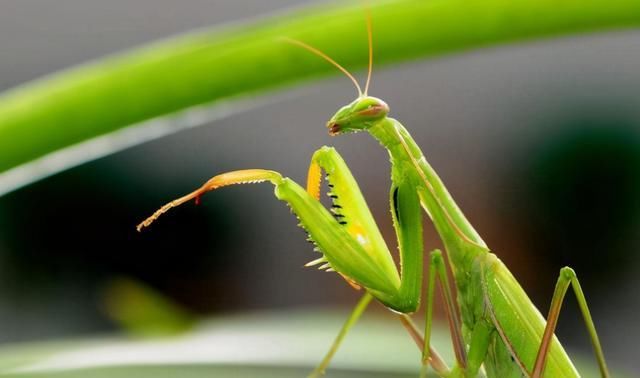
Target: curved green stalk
point(119, 91)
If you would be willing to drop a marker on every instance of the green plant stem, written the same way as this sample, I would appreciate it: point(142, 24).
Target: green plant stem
point(119, 91)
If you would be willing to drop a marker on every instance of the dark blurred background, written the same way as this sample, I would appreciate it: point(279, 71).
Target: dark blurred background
point(539, 144)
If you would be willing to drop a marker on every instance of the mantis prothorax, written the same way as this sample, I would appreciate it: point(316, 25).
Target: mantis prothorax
point(494, 325)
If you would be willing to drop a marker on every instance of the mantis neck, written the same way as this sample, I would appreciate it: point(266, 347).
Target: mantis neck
point(461, 240)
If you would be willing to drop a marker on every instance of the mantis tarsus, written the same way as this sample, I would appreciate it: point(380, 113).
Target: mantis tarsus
point(495, 328)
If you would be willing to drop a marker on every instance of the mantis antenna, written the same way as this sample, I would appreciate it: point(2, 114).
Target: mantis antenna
point(370, 38)
point(336, 64)
point(327, 58)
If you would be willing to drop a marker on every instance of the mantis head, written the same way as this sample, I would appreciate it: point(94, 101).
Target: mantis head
point(359, 115)
point(365, 111)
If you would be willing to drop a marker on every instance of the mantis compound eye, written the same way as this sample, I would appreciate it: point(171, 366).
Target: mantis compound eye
point(371, 107)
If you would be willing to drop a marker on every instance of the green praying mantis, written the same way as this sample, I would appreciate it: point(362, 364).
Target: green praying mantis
point(495, 328)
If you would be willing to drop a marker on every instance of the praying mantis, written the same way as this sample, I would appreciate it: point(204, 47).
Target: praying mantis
point(495, 328)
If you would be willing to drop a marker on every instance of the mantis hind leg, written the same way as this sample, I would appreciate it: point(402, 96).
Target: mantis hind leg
point(567, 277)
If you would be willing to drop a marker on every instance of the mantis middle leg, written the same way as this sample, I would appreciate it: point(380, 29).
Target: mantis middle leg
point(353, 318)
point(468, 362)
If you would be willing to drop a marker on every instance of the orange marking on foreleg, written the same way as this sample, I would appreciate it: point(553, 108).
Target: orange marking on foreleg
point(314, 179)
point(247, 176)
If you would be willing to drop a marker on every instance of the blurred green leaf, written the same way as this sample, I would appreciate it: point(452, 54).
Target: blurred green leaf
point(207, 67)
point(144, 311)
point(277, 344)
